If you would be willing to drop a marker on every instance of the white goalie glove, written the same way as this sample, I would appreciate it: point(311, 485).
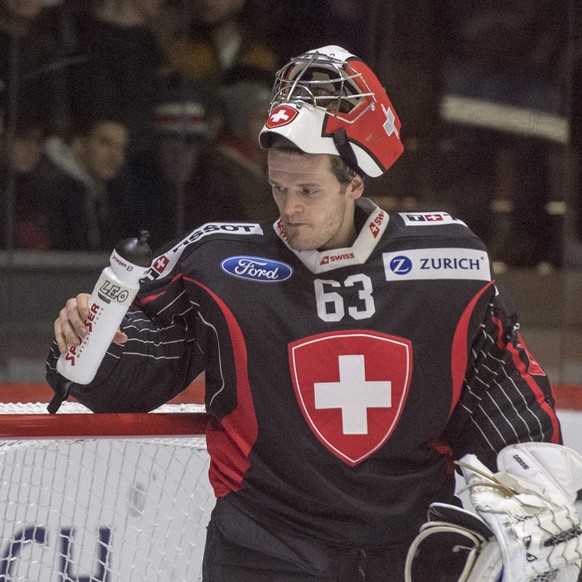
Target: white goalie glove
point(453, 545)
point(529, 506)
point(527, 528)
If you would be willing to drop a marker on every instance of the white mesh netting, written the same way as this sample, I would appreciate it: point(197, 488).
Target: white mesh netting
point(102, 509)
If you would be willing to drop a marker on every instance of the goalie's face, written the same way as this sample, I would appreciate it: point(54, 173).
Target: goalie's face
point(316, 209)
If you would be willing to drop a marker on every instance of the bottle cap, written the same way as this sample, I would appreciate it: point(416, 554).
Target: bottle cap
point(136, 250)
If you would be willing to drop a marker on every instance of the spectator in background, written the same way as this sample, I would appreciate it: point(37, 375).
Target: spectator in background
point(89, 198)
point(221, 34)
point(27, 49)
point(576, 143)
point(121, 64)
point(348, 23)
point(21, 189)
point(168, 198)
point(233, 170)
point(508, 56)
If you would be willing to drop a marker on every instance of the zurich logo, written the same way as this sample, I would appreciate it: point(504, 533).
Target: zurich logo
point(401, 265)
point(257, 269)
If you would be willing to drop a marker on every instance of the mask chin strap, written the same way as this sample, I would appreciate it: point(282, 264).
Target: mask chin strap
point(346, 152)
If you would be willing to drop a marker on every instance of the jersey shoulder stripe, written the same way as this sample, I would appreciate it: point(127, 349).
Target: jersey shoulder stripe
point(165, 262)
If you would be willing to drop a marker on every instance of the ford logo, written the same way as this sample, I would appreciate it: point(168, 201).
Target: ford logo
point(256, 269)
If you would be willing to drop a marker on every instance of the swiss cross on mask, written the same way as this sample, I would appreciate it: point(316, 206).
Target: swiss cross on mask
point(282, 115)
point(351, 387)
point(389, 124)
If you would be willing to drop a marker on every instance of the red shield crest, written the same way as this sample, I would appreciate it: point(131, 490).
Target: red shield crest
point(351, 387)
point(282, 115)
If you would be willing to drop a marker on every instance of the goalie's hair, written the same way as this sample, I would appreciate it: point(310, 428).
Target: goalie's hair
point(339, 168)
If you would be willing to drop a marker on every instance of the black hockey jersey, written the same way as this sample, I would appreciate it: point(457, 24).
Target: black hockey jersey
point(342, 383)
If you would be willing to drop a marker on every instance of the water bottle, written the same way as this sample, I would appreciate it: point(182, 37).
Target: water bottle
point(109, 302)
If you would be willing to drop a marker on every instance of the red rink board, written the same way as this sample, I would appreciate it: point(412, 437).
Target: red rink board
point(41, 392)
point(568, 396)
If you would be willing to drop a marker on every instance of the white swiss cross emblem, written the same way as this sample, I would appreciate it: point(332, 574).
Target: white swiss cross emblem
point(160, 264)
point(389, 125)
point(282, 115)
point(351, 387)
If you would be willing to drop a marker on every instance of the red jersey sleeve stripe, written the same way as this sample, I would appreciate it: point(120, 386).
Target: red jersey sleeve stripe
point(529, 380)
point(231, 439)
point(460, 349)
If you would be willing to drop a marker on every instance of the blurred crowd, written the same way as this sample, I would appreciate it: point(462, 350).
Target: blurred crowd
point(118, 115)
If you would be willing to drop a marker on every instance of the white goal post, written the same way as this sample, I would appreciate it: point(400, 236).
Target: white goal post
point(102, 497)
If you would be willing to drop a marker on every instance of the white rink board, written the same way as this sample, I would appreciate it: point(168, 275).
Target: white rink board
point(123, 510)
point(104, 510)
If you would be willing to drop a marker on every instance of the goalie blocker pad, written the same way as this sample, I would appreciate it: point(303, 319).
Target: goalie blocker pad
point(454, 545)
point(527, 528)
point(529, 505)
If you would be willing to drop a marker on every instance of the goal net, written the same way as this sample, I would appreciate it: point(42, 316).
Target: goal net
point(102, 497)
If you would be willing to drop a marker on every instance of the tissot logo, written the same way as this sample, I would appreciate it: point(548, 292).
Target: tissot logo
point(257, 269)
point(165, 263)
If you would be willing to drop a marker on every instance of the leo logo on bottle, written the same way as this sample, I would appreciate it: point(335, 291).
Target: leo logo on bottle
point(110, 291)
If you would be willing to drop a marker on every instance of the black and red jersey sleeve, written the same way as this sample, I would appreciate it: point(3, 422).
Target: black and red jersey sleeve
point(506, 396)
point(158, 360)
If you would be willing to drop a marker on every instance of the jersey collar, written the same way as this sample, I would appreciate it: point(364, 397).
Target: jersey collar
point(366, 241)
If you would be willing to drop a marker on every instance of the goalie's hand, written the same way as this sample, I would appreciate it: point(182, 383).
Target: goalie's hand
point(529, 505)
point(70, 328)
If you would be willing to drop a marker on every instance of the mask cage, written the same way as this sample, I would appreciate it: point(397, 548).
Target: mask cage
point(326, 83)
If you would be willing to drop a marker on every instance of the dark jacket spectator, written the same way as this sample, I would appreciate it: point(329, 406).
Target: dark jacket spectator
point(22, 197)
point(88, 196)
point(170, 201)
point(233, 171)
point(120, 64)
point(28, 52)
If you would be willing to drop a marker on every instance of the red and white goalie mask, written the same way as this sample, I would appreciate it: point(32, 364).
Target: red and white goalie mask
point(328, 101)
